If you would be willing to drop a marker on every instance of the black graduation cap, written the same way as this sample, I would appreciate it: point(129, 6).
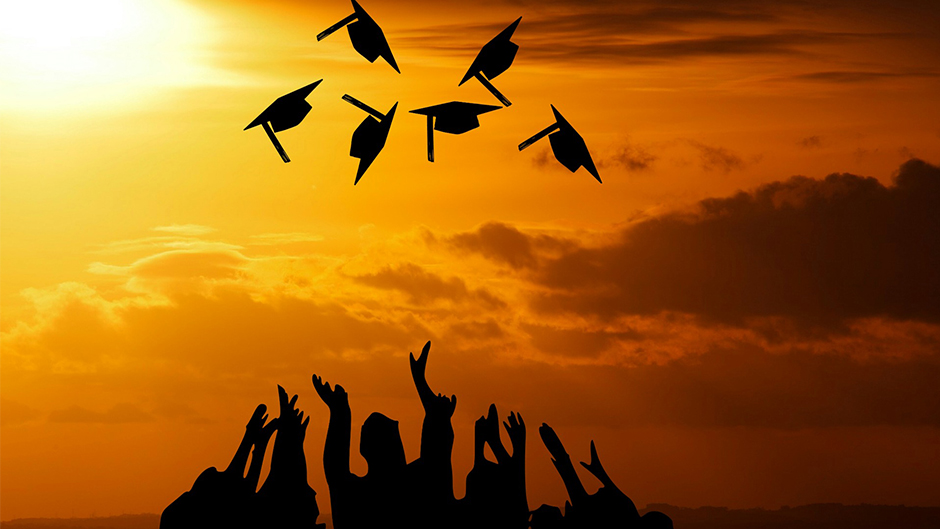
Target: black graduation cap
point(455, 117)
point(369, 137)
point(567, 144)
point(285, 112)
point(366, 36)
point(495, 58)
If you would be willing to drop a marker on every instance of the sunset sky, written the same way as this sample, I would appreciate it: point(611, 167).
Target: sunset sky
point(745, 313)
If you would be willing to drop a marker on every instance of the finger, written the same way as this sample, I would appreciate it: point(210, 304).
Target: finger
point(521, 422)
point(305, 423)
point(293, 401)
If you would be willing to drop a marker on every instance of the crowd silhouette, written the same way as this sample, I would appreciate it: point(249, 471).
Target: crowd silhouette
point(419, 494)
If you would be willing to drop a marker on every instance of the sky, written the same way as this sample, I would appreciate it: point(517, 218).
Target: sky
point(746, 312)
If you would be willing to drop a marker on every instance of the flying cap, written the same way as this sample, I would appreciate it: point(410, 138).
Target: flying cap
point(285, 112)
point(567, 145)
point(369, 138)
point(455, 117)
point(366, 36)
point(494, 58)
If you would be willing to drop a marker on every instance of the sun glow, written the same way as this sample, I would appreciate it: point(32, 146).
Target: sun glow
point(96, 50)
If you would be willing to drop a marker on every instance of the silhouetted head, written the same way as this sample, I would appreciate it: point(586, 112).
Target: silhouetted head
point(380, 444)
point(656, 520)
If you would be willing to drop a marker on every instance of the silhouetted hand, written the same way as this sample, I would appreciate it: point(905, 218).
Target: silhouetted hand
point(418, 368)
point(333, 398)
point(515, 427)
point(492, 435)
point(552, 442)
point(437, 405)
point(597, 469)
point(290, 417)
point(258, 418)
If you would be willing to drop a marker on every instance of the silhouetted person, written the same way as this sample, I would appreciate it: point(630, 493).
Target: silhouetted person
point(608, 507)
point(419, 494)
point(496, 494)
point(227, 498)
point(286, 499)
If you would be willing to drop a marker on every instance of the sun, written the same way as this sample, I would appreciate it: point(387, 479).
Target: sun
point(63, 52)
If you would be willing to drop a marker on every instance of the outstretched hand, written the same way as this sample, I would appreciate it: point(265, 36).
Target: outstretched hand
point(597, 469)
point(438, 405)
point(334, 397)
point(290, 417)
point(418, 368)
point(515, 427)
point(258, 418)
point(552, 442)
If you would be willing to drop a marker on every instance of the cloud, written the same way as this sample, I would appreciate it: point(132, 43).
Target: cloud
point(118, 414)
point(821, 251)
point(506, 244)
point(810, 142)
point(862, 76)
point(631, 157)
point(271, 239)
point(191, 230)
point(717, 158)
point(422, 287)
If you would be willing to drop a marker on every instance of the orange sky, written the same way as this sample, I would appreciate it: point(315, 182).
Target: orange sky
point(727, 335)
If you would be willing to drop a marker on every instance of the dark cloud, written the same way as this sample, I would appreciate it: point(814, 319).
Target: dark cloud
point(820, 251)
point(631, 157)
point(421, 286)
point(748, 387)
point(574, 342)
point(118, 414)
point(861, 76)
point(717, 158)
point(506, 244)
point(810, 142)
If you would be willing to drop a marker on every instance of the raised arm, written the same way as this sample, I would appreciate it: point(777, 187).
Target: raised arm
point(437, 431)
point(257, 454)
point(336, 449)
point(562, 462)
point(240, 459)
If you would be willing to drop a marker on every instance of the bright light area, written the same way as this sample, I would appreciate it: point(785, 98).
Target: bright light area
point(67, 53)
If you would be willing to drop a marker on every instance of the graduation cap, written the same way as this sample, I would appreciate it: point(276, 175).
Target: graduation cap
point(567, 144)
point(455, 117)
point(285, 112)
point(495, 58)
point(369, 137)
point(366, 36)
